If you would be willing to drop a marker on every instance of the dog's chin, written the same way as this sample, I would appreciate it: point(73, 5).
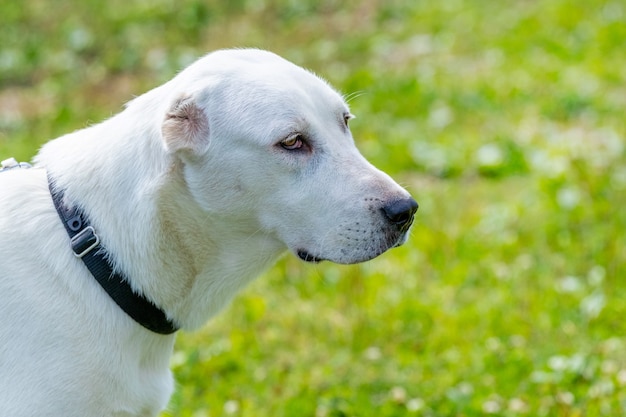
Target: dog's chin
point(346, 258)
point(342, 258)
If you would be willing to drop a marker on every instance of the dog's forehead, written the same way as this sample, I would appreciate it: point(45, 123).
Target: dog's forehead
point(263, 77)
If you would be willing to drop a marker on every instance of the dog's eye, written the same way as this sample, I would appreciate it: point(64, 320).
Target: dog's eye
point(347, 117)
point(293, 142)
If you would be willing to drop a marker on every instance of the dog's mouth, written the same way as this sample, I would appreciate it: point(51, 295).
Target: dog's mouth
point(402, 239)
point(346, 256)
point(307, 257)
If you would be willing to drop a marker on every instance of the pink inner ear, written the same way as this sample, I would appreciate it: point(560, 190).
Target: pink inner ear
point(185, 127)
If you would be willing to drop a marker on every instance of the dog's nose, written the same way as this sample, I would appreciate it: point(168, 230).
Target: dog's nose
point(401, 212)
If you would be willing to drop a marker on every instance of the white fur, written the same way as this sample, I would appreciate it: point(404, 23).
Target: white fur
point(192, 197)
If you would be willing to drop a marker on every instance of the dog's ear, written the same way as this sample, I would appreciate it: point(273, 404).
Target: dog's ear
point(186, 127)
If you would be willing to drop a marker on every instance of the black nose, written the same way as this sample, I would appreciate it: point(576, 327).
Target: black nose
point(401, 212)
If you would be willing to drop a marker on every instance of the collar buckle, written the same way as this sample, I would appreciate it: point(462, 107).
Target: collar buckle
point(84, 241)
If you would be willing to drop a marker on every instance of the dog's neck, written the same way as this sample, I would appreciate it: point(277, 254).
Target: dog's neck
point(210, 257)
point(189, 262)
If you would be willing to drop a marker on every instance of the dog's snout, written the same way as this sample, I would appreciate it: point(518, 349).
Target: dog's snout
point(401, 212)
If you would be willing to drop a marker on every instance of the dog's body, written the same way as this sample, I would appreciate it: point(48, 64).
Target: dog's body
point(194, 189)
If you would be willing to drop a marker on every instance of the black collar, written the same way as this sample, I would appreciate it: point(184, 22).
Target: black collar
point(85, 244)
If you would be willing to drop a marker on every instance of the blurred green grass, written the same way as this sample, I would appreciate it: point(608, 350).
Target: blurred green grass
point(506, 122)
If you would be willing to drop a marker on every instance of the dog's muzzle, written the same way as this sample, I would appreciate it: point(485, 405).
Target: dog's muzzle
point(398, 215)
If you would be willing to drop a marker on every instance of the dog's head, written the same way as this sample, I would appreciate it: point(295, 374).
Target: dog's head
point(266, 146)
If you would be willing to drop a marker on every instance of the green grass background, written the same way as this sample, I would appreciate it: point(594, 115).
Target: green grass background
point(506, 120)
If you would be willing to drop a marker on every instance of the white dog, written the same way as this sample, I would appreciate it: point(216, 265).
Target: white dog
point(165, 211)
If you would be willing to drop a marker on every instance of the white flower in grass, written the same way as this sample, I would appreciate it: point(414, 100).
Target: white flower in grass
point(415, 404)
point(490, 156)
point(231, 407)
point(518, 406)
point(491, 407)
point(568, 197)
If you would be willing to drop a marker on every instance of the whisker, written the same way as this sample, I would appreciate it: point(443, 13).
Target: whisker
point(351, 96)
